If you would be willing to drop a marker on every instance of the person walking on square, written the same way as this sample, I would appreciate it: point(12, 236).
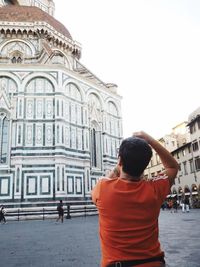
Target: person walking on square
point(175, 204)
point(129, 205)
point(170, 204)
point(2, 214)
point(187, 204)
point(183, 204)
point(60, 210)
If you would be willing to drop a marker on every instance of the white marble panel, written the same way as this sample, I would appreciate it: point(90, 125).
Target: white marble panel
point(70, 183)
point(19, 134)
point(29, 108)
point(67, 110)
point(38, 134)
point(45, 184)
point(31, 185)
point(4, 186)
point(29, 134)
point(49, 109)
point(73, 137)
point(79, 115)
point(73, 112)
point(67, 136)
point(79, 135)
point(78, 185)
point(39, 109)
point(49, 134)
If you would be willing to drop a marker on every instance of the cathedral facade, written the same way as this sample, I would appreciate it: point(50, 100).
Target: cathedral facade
point(60, 125)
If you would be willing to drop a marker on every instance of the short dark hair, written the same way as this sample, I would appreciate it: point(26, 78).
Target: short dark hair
point(135, 154)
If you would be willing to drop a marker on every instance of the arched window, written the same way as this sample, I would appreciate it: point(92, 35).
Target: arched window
point(94, 106)
point(14, 60)
point(8, 86)
point(112, 109)
point(39, 85)
point(73, 92)
point(16, 57)
point(4, 138)
point(74, 103)
point(19, 60)
point(58, 58)
point(113, 121)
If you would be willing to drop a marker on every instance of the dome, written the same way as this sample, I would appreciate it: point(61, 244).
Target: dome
point(32, 14)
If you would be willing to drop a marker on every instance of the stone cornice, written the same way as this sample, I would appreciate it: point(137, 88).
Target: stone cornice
point(44, 31)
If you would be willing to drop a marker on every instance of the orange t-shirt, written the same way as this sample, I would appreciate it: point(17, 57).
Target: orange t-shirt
point(128, 217)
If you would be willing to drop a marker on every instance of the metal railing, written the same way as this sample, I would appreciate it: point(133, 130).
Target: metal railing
point(42, 213)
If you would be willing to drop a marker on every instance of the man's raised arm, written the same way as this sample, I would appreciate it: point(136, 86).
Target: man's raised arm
point(168, 161)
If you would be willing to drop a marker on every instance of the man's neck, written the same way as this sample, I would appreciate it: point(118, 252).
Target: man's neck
point(128, 177)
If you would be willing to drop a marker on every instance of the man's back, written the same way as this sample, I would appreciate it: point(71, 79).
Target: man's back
point(128, 216)
point(60, 208)
point(129, 206)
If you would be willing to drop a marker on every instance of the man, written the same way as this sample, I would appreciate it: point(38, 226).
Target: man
point(187, 204)
point(129, 206)
point(60, 210)
point(2, 214)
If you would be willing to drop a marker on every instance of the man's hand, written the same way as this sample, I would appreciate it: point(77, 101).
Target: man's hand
point(143, 135)
point(168, 161)
point(115, 172)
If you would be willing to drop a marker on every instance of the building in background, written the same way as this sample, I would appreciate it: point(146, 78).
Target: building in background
point(184, 144)
point(60, 125)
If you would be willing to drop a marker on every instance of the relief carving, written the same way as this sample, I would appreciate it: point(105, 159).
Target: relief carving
point(94, 108)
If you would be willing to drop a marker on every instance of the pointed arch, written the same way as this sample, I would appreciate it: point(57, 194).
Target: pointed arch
point(112, 108)
point(92, 92)
point(13, 78)
point(94, 107)
point(174, 191)
point(41, 75)
point(39, 85)
point(18, 45)
point(7, 89)
point(74, 82)
point(73, 91)
point(194, 189)
point(180, 191)
point(59, 53)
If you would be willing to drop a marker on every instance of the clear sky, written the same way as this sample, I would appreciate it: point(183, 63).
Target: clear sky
point(149, 48)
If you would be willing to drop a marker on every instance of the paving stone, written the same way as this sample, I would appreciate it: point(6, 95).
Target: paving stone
point(75, 243)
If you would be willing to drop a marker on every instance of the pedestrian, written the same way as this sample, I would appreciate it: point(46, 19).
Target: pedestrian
point(183, 204)
point(129, 205)
point(187, 204)
point(2, 214)
point(175, 204)
point(170, 204)
point(164, 205)
point(60, 210)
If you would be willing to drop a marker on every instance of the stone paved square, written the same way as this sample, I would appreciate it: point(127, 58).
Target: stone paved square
point(75, 243)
